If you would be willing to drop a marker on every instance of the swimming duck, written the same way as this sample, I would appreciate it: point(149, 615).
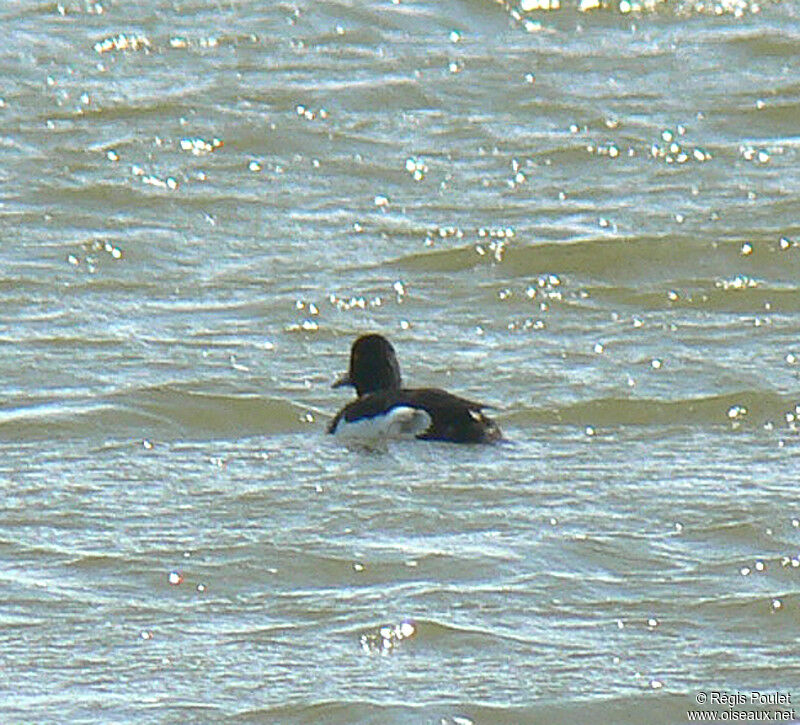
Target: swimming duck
point(385, 409)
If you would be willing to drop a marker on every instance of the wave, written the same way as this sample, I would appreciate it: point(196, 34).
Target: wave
point(164, 413)
point(666, 709)
point(623, 260)
point(749, 407)
point(174, 412)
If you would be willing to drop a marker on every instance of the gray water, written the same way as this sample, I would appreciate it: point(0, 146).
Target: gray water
point(587, 219)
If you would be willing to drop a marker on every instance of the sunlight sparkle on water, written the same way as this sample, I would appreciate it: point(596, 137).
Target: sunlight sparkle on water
point(737, 411)
point(739, 282)
point(416, 168)
point(758, 156)
point(457, 720)
point(169, 183)
point(122, 42)
point(528, 6)
point(387, 637)
point(672, 151)
point(199, 146)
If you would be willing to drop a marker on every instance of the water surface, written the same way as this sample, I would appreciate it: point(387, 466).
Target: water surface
point(586, 218)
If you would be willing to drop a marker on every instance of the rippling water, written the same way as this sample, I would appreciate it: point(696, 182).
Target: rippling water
point(585, 216)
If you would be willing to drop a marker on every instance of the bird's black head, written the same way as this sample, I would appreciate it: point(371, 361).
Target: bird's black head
point(373, 366)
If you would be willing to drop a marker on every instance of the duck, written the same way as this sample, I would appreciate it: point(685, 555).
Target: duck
point(385, 409)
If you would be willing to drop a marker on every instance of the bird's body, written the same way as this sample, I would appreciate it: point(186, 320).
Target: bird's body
point(385, 409)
